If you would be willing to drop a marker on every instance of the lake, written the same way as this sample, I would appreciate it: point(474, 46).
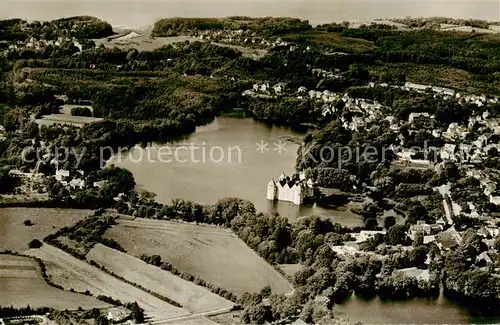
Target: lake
point(416, 311)
point(221, 160)
point(140, 13)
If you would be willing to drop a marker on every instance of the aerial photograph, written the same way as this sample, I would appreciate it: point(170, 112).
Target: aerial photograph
point(231, 162)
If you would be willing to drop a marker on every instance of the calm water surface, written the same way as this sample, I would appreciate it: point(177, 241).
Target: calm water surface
point(225, 162)
point(136, 13)
point(417, 311)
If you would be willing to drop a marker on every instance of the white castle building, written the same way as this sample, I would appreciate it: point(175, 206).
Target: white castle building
point(288, 189)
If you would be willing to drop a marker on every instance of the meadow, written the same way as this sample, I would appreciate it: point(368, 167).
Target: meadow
point(15, 236)
point(22, 284)
point(214, 254)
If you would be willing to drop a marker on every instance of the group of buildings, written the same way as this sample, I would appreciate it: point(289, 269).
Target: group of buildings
point(239, 37)
point(40, 44)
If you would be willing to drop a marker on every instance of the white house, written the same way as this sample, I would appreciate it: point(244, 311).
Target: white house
point(61, 174)
point(416, 87)
point(77, 183)
point(118, 314)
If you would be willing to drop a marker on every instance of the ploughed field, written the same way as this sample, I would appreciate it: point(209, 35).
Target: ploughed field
point(194, 298)
point(15, 236)
point(214, 254)
point(21, 284)
point(70, 272)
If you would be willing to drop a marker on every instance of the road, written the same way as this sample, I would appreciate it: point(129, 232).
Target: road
point(204, 316)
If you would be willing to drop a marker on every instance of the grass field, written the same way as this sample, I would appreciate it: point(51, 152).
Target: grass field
point(21, 284)
point(192, 297)
point(15, 236)
point(69, 272)
point(78, 121)
point(214, 254)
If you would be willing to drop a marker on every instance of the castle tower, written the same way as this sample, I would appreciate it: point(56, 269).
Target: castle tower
point(272, 189)
point(297, 197)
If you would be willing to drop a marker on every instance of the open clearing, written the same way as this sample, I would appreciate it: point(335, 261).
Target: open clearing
point(142, 40)
point(65, 117)
point(22, 284)
point(15, 236)
point(214, 254)
point(78, 121)
point(192, 297)
point(69, 272)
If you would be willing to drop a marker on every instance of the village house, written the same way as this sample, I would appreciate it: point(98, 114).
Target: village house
point(415, 87)
point(118, 314)
point(30, 176)
point(449, 238)
point(365, 235)
point(455, 132)
point(426, 229)
point(77, 183)
point(414, 116)
point(61, 174)
point(444, 91)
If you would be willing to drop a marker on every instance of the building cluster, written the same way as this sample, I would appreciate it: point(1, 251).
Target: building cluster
point(239, 37)
point(39, 44)
point(446, 93)
point(35, 182)
point(336, 74)
point(357, 112)
point(488, 180)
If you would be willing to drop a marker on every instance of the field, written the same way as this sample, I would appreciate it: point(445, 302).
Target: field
point(69, 272)
point(22, 284)
point(214, 254)
point(192, 297)
point(78, 121)
point(15, 236)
